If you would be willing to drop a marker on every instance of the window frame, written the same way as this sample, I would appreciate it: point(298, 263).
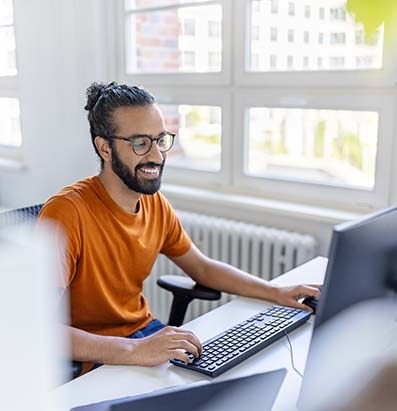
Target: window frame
point(9, 88)
point(335, 196)
point(181, 79)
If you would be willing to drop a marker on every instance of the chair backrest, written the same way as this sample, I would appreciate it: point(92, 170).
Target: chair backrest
point(19, 215)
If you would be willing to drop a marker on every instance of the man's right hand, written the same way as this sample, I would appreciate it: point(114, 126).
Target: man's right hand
point(164, 345)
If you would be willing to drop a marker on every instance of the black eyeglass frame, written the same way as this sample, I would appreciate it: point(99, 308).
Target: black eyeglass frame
point(151, 138)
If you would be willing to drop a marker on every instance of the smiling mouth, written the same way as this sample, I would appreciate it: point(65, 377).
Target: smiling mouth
point(150, 172)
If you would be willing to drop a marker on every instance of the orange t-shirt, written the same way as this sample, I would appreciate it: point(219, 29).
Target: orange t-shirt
point(110, 252)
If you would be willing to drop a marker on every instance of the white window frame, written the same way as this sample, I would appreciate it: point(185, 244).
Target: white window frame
point(182, 79)
point(312, 192)
point(10, 156)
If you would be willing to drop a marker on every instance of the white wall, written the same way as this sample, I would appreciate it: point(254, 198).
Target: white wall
point(61, 49)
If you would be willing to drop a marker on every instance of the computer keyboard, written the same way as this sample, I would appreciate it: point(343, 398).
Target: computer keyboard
point(245, 339)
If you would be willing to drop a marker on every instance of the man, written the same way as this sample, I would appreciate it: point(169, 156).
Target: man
point(115, 226)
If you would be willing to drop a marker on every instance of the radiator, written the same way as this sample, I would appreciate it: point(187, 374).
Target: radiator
point(262, 251)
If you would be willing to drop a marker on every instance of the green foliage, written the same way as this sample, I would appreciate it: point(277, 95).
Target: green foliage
point(372, 13)
point(208, 138)
point(348, 148)
point(319, 140)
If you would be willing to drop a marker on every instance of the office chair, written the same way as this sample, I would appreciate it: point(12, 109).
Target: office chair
point(183, 289)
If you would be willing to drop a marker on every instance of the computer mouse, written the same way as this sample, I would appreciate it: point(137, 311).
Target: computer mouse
point(311, 302)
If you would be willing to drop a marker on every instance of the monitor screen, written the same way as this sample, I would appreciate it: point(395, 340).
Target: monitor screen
point(361, 270)
point(362, 263)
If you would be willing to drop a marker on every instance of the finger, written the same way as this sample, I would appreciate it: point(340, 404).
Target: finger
point(185, 345)
point(188, 335)
point(297, 304)
point(318, 286)
point(179, 355)
point(308, 291)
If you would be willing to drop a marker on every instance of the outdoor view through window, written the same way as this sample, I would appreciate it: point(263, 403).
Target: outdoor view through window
point(10, 134)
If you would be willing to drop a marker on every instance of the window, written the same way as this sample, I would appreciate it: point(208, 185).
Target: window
point(189, 27)
point(273, 34)
point(334, 33)
point(10, 131)
point(329, 146)
point(273, 61)
point(337, 62)
point(256, 115)
point(274, 6)
point(338, 38)
point(337, 13)
point(157, 41)
point(360, 37)
point(199, 129)
point(215, 29)
point(255, 32)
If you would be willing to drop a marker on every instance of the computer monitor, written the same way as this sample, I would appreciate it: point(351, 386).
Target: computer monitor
point(362, 263)
point(361, 271)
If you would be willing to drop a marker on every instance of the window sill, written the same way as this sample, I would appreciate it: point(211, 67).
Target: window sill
point(10, 164)
point(210, 199)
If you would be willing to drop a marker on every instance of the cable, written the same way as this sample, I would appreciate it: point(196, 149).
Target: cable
point(292, 356)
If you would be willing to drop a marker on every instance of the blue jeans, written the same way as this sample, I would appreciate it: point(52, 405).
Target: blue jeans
point(151, 328)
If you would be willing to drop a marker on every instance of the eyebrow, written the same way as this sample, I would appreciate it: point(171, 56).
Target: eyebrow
point(149, 135)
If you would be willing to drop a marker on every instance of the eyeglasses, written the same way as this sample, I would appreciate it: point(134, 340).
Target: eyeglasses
point(141, 145)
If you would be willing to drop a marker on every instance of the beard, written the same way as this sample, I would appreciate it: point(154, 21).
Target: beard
point(133, 181)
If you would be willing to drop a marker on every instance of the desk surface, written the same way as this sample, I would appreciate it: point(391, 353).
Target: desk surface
point(114, 381)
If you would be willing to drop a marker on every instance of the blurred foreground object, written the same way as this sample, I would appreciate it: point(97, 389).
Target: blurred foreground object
point(32, 339)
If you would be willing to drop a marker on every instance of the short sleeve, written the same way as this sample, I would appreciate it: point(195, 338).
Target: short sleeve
point(63, 218)
point(177, 242)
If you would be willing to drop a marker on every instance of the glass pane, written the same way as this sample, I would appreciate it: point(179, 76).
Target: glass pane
point(334, 147)
point(198, 142)
point(7, 52)
point(10, 130)
point(6, 12)
point(143, 4)
point(284, 32)
point(175, 40)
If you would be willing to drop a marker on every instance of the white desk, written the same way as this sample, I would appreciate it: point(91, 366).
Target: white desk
point(111, 381)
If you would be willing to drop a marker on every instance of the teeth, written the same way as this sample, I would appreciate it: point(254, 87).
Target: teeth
point(150, 170)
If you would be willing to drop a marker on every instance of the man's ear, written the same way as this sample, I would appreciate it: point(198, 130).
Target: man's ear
point(104, 148)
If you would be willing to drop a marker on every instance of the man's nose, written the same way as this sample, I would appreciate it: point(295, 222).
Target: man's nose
point(155, 155)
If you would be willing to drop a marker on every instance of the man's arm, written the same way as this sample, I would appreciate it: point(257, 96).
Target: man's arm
point(224, 277)
point(168, 343)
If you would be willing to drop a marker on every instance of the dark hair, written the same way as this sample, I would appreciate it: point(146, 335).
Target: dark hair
point(104, 99)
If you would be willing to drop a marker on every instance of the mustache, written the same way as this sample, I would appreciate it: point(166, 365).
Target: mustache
point(149, 164)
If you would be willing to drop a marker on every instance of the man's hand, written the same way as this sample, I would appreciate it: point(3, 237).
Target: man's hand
point(290, 295)
point(168, 343)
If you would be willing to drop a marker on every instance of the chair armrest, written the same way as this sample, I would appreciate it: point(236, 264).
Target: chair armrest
point(180, 285)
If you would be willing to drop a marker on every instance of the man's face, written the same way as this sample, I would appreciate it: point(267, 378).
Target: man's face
point(141, 174)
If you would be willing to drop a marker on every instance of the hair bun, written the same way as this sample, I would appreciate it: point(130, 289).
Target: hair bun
point(93, 93)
